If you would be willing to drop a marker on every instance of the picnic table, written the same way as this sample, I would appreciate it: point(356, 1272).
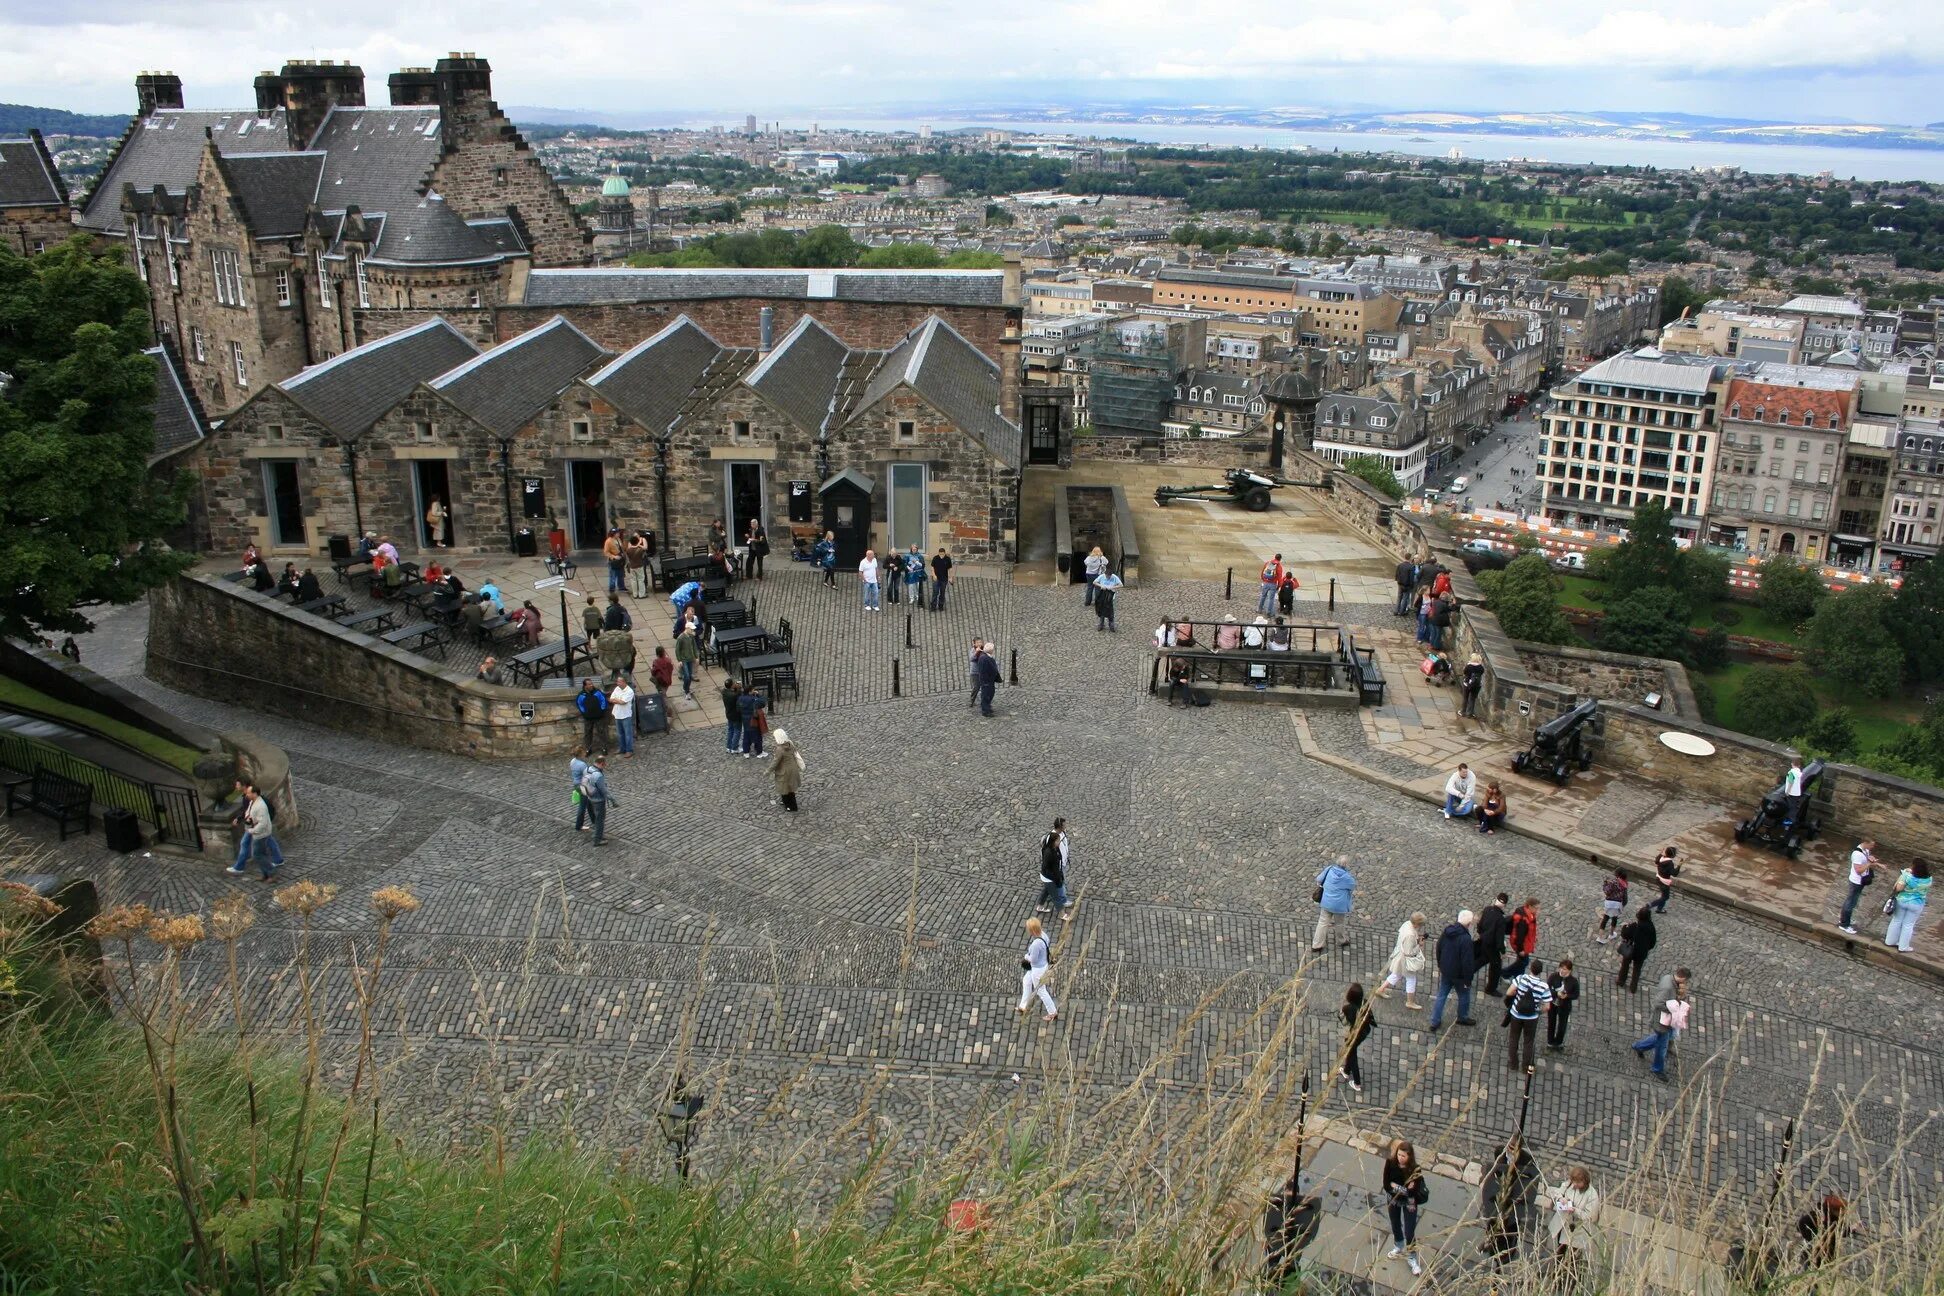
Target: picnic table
point(535, 663)
point(739, 641)
point(351, 571)
point(764, 668)
point(725, 615)
point(376, 621)
point(443, 607)
point(420, 637)
point(331, 605)
point(714, 589)
point(676, 571)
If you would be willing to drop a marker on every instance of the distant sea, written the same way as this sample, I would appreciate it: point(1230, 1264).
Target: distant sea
point(1798, 159)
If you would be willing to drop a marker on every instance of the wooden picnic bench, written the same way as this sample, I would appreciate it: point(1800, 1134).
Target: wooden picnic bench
point(331, 605)
point(740, 641)
point(535, 663)
point(725, 614)
point(62, 799)
point(376, 621)
point(420, 637)
point(776, 669)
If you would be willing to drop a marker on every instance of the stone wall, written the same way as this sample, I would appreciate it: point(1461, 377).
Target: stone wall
point(30, 229)
point(217, 640)
point(489, 170)
point(1611, 677)
point(1212, 452)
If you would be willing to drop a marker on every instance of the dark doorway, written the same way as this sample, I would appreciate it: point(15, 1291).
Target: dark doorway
point(1043, 434)
point(283, 503)
point(432, 484)
point(587, 488)
point(847, 514)
point(743, 498)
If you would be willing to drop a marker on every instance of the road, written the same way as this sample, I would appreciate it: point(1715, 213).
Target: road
point(1513, 443)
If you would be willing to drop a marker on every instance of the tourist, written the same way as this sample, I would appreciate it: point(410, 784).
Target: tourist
point(1666, 869)
point(1521, 937)
point(576, 770)
point(621, 701)
point(1460, 789)
point(1440, 582)
point(1055, 850)
point(1422, 606)
point(1436, 667)
point(1228, 635)
point(436, 517)
point(1794, 790)
point(1106, 589)
point(472, 618)
point(1406, 1191)
point(1406, 961)
point(1032, 969)
point(1442, 609)
point(1575, 1209)
point(1907, 903)
point(755, 721)
point(985, 678)
point(914, 574)
point(757, 543)
point(1822, 1231)
point(1506, 1197)
point(894, 566)
point(1613, 904)
point(687, 653)
point(1279, 637)
point(1862, 872)
point(1491, 811)
point(786, 769)
point(941, 569)
point(453, 585)
point(1525, 999)
point(490, 672)
point(1091, 567)
point(1272, 574)
point(686, 597)
point(528, 618)
point(260, 578)
point(309, 588)
point(867, 575)
point(662, 671)
point(1457, 965)
point(1565, 986)
point(1472, 681)
point(1637, 941)
point(591, 620)
point(1255, 635)
point(616, 561)
point(1184, 634)
point(732, 715)
point(490, 595)
point(259, 835)
point(972, 667)
point(238, 815)
point(1407, 580)
point(1680, 981)
point(594, 792)
point(1181, 680)
point(286, 584)
point(386, 550)
point(1491, 940)
point(1671, 1015)
point(1335, 887)
point(825, 555)
point(616, 616)
point(593, 707)
point(635, 558)
point(1286, 593)
point(1359, 1022)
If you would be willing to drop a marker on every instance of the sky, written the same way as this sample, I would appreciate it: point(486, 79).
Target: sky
point(1821, 60)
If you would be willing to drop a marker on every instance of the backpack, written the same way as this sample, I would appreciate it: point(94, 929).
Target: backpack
point(1524, 1004)
point(1199, 698)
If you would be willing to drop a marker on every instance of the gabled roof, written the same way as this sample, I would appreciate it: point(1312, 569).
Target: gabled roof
point(801, 376)
point(651, 381)
point(505, 387)
point(614, 285)
point(377, 158)
point(179, 419)
point(955, 378)
point(165, 148)
point(28, 177)
point(348, 393)
point(274, 188)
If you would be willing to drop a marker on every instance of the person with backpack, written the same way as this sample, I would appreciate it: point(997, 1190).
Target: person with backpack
point(1673, 1016)
point(825, 556)
point(1506, 1197)
point(1613, 905)
point(1907, 903)
point(1491, 940)
point(1286, 592)
point(1033, 966)
point(1334, 887)
point(1272, 574)
point(1666, 869)
point(593, 707)
point(1526, 998)
point(1404, 1191)
point(1521, 937)
point(755, 721)
point(576, 770)
point(1054, 853)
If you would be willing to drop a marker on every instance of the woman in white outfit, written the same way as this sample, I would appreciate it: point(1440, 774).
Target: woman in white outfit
point(1574, 1208)
point(1032, 969)
point(1406, 960)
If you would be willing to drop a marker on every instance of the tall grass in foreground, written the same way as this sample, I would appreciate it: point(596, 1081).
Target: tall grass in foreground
point(184, 1146)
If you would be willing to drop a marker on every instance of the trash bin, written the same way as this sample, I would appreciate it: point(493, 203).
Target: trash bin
point(524, 544)
point(122, 831)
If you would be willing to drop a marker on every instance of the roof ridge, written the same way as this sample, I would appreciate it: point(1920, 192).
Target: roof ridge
point(325, 366)
point(673, 326)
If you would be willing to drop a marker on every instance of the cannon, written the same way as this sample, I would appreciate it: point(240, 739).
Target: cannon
point(1559, 745)
point(1783, 822)
point(1249, 489)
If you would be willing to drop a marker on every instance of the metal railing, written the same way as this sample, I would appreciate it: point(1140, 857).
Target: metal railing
point(172, 811)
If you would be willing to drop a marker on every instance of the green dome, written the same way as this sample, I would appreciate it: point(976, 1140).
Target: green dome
point(614, 187)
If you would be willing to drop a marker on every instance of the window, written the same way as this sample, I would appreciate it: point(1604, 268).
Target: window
point(1817, 511)
point(425, 432)
point(1795, 507)
point(273, 432)
point(364, 285)
point(135, 245)
point(1379, 420)
point(580, 430)
point(1768, 502)
point(1782, 417)
point(739, 430)
point(323, 284)
point(228, 269)
point(196, 344)
point(168, 259)
point(236, 359)
point(283, 287)
point(907, 430)
point(473, 300)
point(1734, 411)
point(1802, 472)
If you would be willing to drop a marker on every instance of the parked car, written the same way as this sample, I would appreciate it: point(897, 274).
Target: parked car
point(1478, 546)
point(1574, 561)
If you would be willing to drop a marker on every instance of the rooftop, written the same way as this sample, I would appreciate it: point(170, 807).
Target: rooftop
point(617, 285)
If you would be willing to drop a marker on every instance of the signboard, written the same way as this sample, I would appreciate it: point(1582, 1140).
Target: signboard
point(800, 502)
point(548, 582)
point(533, 498)
point(526, 712)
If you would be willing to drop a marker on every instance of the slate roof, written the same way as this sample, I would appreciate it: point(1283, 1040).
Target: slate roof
point(505, 387)
point(651, 382)
point(618, 284)
point(27, 175)
point(275, 189)
point(955, 378)
point(801, 376)
point(500, 234)
point(377, 157)
point(422, 229)
point(179, 419)
point(166, 147)
point(349, 393)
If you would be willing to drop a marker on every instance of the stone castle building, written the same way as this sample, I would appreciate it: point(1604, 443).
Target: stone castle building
point(34, 211)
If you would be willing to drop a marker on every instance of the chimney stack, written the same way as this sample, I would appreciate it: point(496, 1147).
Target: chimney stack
point(269, 93)
point(766, 327)
point(311, 89)
point(414, 87)
point(155, 90)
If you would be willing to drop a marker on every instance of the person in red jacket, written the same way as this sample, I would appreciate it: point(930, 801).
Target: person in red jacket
point(1521, 937)
point(662, 671)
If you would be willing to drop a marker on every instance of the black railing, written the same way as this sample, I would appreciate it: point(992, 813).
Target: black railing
point(171, 810)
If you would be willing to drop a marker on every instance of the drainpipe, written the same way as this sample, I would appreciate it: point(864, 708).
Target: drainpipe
point(506, 489)
point(351, 470)
point(661, 491)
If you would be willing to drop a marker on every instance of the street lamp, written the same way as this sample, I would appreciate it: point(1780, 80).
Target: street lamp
point(677, 1120)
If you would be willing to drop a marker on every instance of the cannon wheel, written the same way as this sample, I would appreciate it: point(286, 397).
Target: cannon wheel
point(1562, 773)
point(1519, 763)
point(1257, 500)
point(1585, 763)
point(1792, 845)
point(1741, 831)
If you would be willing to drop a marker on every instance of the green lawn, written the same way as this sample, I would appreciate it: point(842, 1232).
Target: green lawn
point(1370, 218)
point(174, 755)
point(1752, 621)
point(1878, 720)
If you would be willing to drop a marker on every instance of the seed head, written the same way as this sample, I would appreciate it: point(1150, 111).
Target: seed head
point(304, 897)
point(177, 931)
point(392, 901)
point(122, 922)
point(26, 902)
point(230, 917)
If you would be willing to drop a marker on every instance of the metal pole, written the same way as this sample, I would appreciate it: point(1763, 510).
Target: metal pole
point(1229, 592)
point(894, 678)
point(1332, 593)
point(351, 470)
point(1302, 1132)
point(1154, 677)
point(506, 490)
point(908, 642)
point(1525, 1105)
point(565, 636)
point(1015, 667)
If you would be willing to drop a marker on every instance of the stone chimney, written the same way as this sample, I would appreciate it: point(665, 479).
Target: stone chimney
point(155, 90)
point(465, 96)
point(1010, 407)
point(269, 93)
point(766, 325)
point(414, 87)
point(312, 89)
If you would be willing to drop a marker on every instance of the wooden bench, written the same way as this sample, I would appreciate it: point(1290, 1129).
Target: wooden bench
point(536, 663)
point(1368, 670)
point(60, 798)
point(420, 638)
point(330, 606)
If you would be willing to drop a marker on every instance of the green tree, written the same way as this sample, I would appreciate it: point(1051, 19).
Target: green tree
point(1706, 572)
point(1678, 296)
point(81, 518)
point(1775, 702)
point(1831, 735)
point(1847, 640)
point(1648, 556)
point(997, 215)
point(1789, 590)
point(1376, 472)
point(1106, 222)
point(827, 247)
point(1065, 219)
point(973, 259)
point(900, 256)
point(1918, 620)
point(1524, 599)
point(1649, 622)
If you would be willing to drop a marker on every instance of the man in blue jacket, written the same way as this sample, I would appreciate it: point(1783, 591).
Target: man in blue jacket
point(826, 555)
point(985, 674)
point(1457, 965)
point(1336, 883)
point(593, 707)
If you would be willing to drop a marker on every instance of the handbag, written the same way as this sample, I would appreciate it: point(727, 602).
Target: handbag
point(1625, 949)
point(1889, 905)
point(1316, 896)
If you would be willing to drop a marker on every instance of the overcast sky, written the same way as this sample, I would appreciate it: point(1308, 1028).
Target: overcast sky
point(1796, 59)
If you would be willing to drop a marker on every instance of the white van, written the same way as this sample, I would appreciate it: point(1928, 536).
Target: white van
point(1460, 486)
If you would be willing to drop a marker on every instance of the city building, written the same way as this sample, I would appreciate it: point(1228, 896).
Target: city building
point(1067, 294)
point(1223, 290)
point(1214, 401)
point(1341, 312)
point(1910, 529)
point(34, 211)
point(1379, 422)
point(1405, 275)
point(1783, 432)
point(1862, 489)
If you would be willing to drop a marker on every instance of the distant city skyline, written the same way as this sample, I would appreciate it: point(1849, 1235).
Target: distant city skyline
point(1789, 60)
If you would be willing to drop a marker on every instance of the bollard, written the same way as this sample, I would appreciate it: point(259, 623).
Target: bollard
point(1015, 667)
point(1332, 593)
point(908, 642)
point(1229, 592)
point(752, 609)
point(1154, 677)
point(895, 691)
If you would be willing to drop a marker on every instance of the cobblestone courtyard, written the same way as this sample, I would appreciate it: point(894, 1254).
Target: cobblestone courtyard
point(862, 955)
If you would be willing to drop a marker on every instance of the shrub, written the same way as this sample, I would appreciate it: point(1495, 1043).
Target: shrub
point(1525, 602)
point(1726, 614)
point(1775, 702)
point(1708, 649)
point(1704, 697)
point(1790, 591)
point(1848, 640)
point(1370, 469)
point(1650, 622)
point(1832, 734)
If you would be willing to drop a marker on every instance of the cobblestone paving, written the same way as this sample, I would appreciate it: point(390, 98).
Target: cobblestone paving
point(863, 954)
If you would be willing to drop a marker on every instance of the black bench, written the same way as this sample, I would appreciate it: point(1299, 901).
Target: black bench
point(58, 797)
point(1369, 671)
point(420, 638)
